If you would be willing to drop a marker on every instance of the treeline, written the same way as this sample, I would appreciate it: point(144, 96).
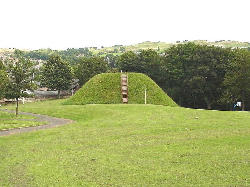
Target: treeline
point(196, 76)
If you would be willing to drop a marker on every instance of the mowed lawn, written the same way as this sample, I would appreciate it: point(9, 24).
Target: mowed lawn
point(129, 145)
point(10, 121)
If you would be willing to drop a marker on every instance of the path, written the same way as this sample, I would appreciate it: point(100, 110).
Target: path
point(50, 123)
point(124, 86)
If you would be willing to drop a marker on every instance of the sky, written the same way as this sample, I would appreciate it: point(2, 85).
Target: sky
point(62, 24)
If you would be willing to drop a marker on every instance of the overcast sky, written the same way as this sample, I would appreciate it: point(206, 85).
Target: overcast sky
point(61, 24)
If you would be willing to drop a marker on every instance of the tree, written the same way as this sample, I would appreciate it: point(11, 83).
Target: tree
point(194, 74)
point(112, 60)
point(89, 67)
point(122, 49)
point(20, 75)
point(128, 61)
point(237, 78)
point(150, 62)
point(146, 61)
point(115, 50)
point(3, 79)
point(57, 74)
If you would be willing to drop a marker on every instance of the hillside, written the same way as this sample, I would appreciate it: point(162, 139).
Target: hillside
point(106, 89)
point(162, 46)
point(119, 49)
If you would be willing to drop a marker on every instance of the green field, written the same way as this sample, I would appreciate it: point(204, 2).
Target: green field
point(129, 145)
point(10, 121)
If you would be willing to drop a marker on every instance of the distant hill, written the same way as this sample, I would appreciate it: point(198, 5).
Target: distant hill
point(162, 46)
point(119, 49)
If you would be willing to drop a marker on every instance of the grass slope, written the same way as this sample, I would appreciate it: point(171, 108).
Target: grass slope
point(101, 89)
point(129, 145)
point(106, 89)
point(138, 82)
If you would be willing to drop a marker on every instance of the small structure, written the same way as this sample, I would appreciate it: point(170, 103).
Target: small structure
point(124, 88)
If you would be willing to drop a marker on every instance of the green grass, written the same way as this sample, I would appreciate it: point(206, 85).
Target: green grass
point(138, 82)
point(129, 145)
point(106, 89)
point(5, 115)
point(10, 121)
point(101, 89)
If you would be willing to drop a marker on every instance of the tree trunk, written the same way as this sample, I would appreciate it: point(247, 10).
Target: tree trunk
point(209, 106)
point(243, 106)
point(17, 102)
point(59, 94)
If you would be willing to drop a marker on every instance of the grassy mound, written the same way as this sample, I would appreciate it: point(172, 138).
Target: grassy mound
point(101, 89)
point(138, 82)
point(106, 89)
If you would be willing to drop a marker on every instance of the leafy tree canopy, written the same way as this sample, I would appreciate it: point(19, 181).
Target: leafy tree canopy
point(89, 67)
point(237, 78)
point(57, 74)
point(194, 74)
point(3, 79)
point(20, 77)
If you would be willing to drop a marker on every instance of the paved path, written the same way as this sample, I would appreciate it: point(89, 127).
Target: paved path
point(50, 123)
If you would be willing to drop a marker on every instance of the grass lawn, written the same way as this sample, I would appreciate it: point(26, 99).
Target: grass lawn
point(129, 145)
point(10, 121)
